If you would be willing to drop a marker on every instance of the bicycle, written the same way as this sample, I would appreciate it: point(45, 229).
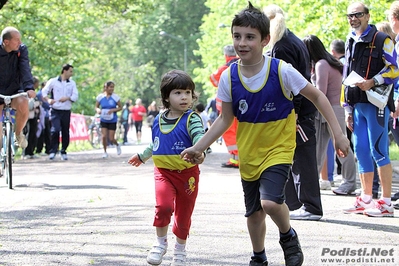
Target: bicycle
point(95, 136)
point(8, 150)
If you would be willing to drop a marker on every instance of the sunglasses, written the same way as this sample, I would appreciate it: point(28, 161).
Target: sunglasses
point(355, 15)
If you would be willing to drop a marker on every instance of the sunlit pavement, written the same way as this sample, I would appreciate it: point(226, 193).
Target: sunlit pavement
point(94, 211)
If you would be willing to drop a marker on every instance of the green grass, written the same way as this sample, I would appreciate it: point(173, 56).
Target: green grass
point(394, 152)
point(73, 146)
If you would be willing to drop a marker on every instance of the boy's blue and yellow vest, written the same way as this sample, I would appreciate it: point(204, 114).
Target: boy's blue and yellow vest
point(167, 145)
point(266, 121)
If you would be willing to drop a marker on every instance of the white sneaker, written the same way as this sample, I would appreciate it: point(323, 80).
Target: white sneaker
point(360, 206)
point(381, 209)
point(155, 255)
point(21, 141)
point(118, 149)
point(179, 258)
point(302, 214)
point(105, 155)
point(325, 185)
point(51, 156)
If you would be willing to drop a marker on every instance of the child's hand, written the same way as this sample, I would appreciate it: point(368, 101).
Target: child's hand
point(192, 156)
point(135, 160)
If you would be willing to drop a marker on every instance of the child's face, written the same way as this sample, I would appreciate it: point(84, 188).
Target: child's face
point(180, 100)
point(248, 44)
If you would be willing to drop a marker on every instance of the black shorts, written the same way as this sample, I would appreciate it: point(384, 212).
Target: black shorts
point(138, 125)
point(109, 126)
point(269, 186)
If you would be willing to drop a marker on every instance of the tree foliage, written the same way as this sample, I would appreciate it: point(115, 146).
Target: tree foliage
point(324, 18)
point(120, 40)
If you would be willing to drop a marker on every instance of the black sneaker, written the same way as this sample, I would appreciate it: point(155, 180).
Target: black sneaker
point(256, 261)
point(395, 196)
point(292, 251)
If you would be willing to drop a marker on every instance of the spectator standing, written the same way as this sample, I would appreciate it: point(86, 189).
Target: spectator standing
point(32, 124)
point(200, 109)
point(327, 77)
point(176, 181)
point(107, 105)
point(302, 190)
point(152, 112)
point(15, 74)
point(368, 123)
point(212, 110)
point(138, 112)
point(229, 136)
point(124, 120)
point(258, 90)
point(43, 129)
point(60, 92)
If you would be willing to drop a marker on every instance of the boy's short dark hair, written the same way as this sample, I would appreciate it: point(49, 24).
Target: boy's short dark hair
point(175, 80)
point(254, 18)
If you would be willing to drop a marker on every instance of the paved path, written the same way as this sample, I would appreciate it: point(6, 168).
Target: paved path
point(94, 211)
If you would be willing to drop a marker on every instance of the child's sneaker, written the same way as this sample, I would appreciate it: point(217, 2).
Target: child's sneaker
point(155, 255)
point(292, 250)
point(396, 204)
point(360, 206)
point(179, 258)
point(381, 209)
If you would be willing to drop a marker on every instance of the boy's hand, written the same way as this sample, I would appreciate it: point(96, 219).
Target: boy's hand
point(135, 160)
point(192, 155)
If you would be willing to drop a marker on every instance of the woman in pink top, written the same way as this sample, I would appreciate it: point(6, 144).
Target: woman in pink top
point(327, 77)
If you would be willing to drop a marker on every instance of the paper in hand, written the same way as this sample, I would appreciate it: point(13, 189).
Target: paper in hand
point(352, 79)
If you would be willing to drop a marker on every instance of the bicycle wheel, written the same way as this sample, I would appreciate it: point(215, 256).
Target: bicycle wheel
point(8, 155)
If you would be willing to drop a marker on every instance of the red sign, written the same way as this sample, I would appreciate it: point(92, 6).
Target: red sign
point(78, 128)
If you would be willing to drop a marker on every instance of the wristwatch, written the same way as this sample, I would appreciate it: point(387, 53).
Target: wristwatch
point(375, 81)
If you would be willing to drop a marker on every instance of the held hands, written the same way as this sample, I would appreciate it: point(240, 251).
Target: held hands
point(135, 160)
point(192, 155)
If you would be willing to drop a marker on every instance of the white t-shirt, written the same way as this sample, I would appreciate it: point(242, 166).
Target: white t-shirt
point(293, 80)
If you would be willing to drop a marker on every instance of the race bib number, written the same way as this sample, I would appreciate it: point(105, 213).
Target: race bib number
point(105, 115)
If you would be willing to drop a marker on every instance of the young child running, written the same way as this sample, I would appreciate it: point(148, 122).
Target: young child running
point(176, 181)
point(260, 96)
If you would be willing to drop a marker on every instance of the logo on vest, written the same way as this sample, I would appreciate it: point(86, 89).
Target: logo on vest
point(243, 106)
point(156, 144)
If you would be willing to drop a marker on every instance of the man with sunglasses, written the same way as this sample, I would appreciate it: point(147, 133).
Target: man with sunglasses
point(372, 55)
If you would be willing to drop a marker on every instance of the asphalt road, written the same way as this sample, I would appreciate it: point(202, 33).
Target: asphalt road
point(94, 211)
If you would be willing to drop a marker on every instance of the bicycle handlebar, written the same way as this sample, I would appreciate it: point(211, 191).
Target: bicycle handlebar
point(8, 98)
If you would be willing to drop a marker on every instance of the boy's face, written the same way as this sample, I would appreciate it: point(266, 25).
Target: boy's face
point(248, 44)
